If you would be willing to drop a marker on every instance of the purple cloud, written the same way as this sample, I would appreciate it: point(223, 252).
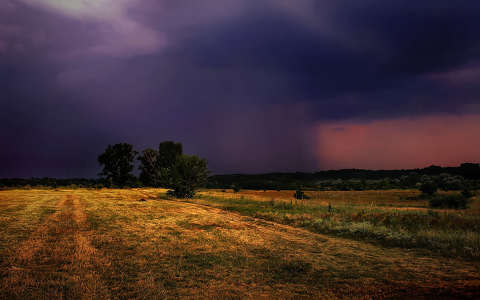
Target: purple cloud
point(242, 83)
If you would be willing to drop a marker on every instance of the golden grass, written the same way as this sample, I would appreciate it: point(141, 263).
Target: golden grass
point(106, 244)
point(396, 199)
point(387, 198)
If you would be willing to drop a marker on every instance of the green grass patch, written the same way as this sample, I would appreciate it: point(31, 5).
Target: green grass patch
point(450, 233)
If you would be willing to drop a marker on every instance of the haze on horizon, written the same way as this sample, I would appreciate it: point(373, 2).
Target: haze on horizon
point(252, 86)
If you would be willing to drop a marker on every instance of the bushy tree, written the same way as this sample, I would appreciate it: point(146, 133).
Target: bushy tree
point(117, 162)
point(168, 154)
point(156, 165)
point(467, 193)
point(470, 170)
point(457, 201)
point(236, 188)
point(448, 182)
point(149, 169)
point(187, 174)
point(428, 187)
point(300, 195)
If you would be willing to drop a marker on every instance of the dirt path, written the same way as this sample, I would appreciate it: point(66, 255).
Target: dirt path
point(57, 260)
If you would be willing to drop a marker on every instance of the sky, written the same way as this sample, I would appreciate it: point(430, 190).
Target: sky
point(253, 86)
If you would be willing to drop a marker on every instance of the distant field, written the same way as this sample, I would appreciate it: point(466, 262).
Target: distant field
point(397, 198)
point(101, 244)
point(398, 218)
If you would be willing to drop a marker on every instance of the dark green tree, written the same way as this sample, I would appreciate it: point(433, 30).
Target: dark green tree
point(470, 170)
point(299, 194)
point(168, 154)
point(236, 188)
point(187, 174)
point(149, 169)
point(117, 162)
point(428, 188)
point(467, 193)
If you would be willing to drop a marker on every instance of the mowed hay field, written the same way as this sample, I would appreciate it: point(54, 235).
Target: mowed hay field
point(109, 244)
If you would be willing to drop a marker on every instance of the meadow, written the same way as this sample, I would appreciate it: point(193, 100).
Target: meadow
point(140, 243)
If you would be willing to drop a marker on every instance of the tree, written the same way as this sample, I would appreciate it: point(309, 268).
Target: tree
point(149, 169)
point(470, 170)
point(168, 154)
point(428, 188)
point(117, 162)
point(187, 174)
point(467, 193)
point(299, 194)
point(236, 188)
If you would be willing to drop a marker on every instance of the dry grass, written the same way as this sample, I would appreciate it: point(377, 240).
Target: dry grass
point(379, 198)
point(89, 244)
point(404, 221)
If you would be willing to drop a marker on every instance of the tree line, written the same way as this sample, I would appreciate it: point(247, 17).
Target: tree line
point(445, 178)
point(162, 167)
point(166, 167)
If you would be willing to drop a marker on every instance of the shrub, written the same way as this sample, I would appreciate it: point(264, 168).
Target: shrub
point(171, 193)
point(428, 188)
point(235, 188)
point(457, 201)
point(187, 174)
point(467, 193)
point(300, 195)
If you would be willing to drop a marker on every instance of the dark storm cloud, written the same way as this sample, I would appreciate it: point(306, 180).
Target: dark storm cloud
point(241, 83)
point(421, 37)
point(404, 42)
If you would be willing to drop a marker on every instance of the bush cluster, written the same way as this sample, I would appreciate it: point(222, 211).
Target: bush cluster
point(300, 195)
point(456, 201)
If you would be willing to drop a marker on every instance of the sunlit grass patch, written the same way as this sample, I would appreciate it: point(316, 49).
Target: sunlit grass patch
point(100, 244)
point(392, 226)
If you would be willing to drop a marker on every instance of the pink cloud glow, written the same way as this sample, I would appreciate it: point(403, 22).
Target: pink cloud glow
point(399, 143)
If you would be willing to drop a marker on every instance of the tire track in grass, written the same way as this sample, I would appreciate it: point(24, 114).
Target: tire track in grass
point(88, 260)
point(58, 260)
point(21, 214)
point(36, 241)
point(21, 274)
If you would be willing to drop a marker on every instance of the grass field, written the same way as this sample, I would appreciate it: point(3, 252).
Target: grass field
point(397, 218)
point(101, 244)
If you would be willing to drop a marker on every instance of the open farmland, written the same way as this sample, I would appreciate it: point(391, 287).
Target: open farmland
point(100, 244)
